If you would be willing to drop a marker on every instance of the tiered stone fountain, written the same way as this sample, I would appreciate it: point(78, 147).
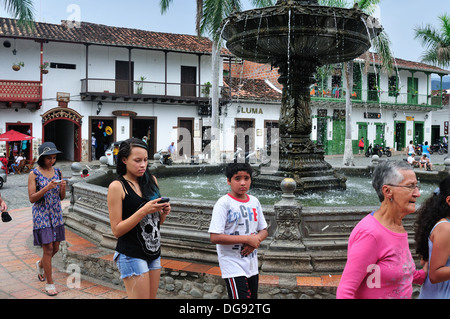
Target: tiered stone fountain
point(296, 37)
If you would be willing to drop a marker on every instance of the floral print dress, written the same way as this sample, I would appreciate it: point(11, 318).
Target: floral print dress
point(48, 224)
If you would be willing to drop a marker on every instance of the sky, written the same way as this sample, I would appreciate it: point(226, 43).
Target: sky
point(398, 17)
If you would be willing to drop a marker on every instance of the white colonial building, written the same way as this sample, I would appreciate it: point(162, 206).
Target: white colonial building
point(106, 82)
point(389, 110)
point(114, 83)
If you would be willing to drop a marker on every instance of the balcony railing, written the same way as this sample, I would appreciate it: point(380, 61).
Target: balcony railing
point(146, 89)
point(20, 91)
point(381, 97)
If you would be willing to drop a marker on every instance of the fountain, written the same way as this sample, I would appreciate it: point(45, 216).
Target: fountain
point(298, 36)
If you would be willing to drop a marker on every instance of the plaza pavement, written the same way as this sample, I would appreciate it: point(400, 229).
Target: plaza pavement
point(18, 278)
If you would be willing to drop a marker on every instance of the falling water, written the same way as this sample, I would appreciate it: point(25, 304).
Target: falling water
point(374, 65)
point(257, 35)
point(242, 70)
point(289, 48)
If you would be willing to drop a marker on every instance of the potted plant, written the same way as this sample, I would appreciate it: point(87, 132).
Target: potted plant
point(206, 89)
point(16, 66)
point(140, 84)
point(44, 67)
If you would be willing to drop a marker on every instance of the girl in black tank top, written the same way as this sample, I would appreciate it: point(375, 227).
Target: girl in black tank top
point(136, 216)
point(143, 241)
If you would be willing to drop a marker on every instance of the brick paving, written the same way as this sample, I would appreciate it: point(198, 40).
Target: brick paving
point(18, 278)
point(18, 256)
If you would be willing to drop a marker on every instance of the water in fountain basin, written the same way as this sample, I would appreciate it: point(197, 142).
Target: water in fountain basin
point(211, 187)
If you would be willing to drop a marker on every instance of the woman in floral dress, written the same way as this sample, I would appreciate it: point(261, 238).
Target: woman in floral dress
point(46, 189)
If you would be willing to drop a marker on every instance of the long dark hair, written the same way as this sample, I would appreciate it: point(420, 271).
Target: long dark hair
point(429, 213)
point(146, 182)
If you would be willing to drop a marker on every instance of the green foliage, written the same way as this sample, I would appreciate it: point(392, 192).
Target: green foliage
point(436, 42)
point(22, 10)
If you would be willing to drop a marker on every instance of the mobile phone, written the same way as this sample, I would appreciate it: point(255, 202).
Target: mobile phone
point(164, 200)
point(57, 181)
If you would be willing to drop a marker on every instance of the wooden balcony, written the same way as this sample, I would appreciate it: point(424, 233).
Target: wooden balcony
point(386, 99)
point(145, 91)
point(26, 93)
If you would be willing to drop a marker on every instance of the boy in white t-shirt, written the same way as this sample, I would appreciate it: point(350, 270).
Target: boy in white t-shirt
point(237, 228)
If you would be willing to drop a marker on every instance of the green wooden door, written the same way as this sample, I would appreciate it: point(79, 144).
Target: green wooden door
point(413, 89)
point(418, 133)
point(322, 133)
point(379, 138)
point(400, 134)
point(338, 143)
point(373, 81)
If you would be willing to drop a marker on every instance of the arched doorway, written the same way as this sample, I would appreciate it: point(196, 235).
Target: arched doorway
point(62, 126)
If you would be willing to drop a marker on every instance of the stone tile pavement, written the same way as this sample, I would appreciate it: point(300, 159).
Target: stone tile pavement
point(18, 278)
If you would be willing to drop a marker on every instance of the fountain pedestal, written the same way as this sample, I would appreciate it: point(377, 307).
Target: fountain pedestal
point(299, 158)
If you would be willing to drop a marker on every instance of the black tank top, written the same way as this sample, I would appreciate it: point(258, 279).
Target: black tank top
point(143, 241)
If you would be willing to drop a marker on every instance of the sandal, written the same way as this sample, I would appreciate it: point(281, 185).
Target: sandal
point(50, 290)
point(40, 271)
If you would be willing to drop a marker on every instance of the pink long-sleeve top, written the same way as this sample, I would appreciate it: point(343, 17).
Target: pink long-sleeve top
point(379, 264)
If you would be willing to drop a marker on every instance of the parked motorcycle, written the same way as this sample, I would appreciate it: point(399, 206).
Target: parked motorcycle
point(418, 149)
point(165, 158)
point(374, 150)
point(386, 151)
point(439, 148)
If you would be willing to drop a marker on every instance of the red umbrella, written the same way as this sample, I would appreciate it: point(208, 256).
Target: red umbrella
point(12, 136)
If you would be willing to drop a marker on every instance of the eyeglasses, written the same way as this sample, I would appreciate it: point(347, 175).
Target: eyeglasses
point(410, 187)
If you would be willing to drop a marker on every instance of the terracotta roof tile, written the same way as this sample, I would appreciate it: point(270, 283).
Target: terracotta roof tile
point(91, 33)
point(251, 89)
point(405, 64)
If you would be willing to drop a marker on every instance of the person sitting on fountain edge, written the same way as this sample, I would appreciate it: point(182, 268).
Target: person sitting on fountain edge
point(237, 228)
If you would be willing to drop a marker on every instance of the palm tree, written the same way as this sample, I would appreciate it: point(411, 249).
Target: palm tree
point(20, 9)
point(381, 45)
point(214, 12)
point(164, 4)
point(436, 42)
point(209, 20)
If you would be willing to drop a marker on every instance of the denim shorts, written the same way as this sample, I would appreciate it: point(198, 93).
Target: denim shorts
point(130, 266)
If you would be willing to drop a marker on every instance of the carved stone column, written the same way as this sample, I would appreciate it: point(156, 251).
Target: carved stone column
point(288, 218)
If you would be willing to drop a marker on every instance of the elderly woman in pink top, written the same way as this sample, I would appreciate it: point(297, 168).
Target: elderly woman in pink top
point(379, 262)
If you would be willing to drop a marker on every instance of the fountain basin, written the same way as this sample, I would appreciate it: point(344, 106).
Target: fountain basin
point(320, 249)
point(316, 33)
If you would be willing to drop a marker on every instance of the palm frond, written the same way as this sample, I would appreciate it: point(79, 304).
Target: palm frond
point(164, 5)
point(334, 3)
point(263, 3)
point(22, 10)
point(382, 46)
point(368, 6)
point(436, 42)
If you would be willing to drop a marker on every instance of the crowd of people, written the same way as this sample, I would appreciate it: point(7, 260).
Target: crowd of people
point(379, 262)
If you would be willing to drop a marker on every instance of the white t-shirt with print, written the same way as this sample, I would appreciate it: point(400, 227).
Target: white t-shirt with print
point(232, 216)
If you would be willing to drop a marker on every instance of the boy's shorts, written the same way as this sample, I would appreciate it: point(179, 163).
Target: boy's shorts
point(242, 287)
